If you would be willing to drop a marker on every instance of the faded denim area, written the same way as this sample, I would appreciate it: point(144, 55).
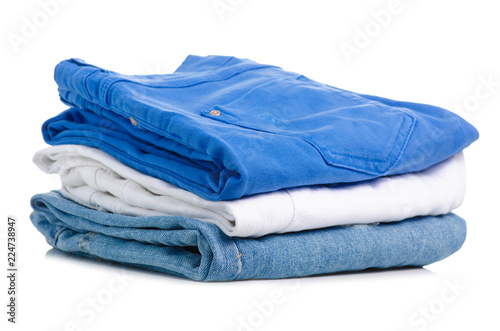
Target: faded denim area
point(201, 251)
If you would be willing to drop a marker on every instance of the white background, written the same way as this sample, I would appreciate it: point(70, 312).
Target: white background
point(436, 52)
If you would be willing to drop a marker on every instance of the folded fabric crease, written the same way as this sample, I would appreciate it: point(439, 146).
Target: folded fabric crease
point(201, 251)
point(97, 180)
point(223, 127)
point(228, 169)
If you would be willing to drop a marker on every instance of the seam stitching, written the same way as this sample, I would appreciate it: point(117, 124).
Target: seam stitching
point(56, 236)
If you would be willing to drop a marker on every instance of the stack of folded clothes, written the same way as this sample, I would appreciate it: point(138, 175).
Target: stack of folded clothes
point(228, 169)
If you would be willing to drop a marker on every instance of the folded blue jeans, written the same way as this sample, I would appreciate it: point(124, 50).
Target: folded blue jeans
point(223, 127)
point(201, 251)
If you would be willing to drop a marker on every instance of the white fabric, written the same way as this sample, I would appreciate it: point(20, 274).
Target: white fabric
point(97, 180)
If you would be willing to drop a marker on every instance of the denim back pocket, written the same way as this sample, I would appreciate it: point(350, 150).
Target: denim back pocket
point(347, 130)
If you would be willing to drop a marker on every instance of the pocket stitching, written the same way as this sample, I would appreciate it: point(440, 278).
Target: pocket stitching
point(394, 152)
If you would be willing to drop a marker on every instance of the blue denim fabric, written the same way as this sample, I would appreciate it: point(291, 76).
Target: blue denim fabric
point(223, 127)
point(190, 248)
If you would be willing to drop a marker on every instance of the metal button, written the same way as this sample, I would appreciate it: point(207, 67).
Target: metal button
point(215, 112)
point(134, 123)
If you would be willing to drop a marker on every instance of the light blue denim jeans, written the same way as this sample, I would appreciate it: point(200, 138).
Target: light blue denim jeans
point(223, 127)
point(190, 248)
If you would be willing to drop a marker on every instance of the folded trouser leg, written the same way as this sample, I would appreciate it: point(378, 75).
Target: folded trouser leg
point(224, 128)
point(190, 248)
point(97, 180)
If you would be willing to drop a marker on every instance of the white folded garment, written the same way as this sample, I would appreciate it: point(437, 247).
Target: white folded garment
point(97, 180)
